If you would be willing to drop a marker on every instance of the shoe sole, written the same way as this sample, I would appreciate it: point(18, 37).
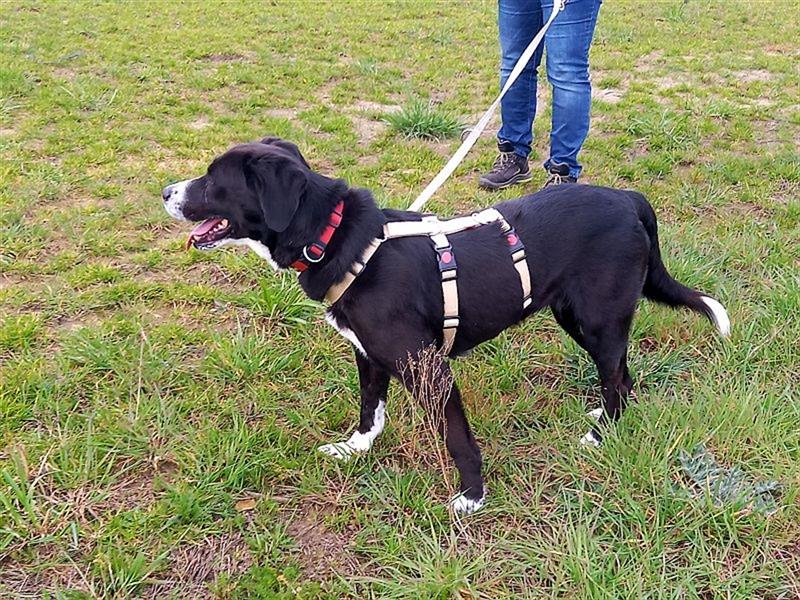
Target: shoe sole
point(518, 178)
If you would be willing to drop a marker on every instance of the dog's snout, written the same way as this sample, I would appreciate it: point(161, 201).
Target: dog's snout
point(175, 197)
point(167, 192)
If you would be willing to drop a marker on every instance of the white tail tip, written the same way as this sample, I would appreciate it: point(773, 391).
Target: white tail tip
point(719, 315)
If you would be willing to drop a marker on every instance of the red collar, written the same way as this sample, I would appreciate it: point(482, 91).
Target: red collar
point(315, 251)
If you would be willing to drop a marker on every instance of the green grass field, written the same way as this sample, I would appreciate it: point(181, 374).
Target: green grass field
point(160, 409)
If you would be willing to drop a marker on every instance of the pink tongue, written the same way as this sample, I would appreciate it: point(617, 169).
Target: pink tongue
point(204, 227)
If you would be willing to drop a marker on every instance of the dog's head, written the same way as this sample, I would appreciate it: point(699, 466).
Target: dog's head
point(249, 195)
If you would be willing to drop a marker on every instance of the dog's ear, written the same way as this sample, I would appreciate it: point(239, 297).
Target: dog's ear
point(288, 146)
point(279, 183)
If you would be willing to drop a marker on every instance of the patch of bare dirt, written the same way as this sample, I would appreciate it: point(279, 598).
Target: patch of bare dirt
point(75, 322)
point(368, 130)
point(8, 132)
point(492, 127)
point(193, 565)
point(199, 124)
point(90, 503)
point(640, 149)
point(323, 165)
point(608, 95)
point(763, 102)
point(747, 209)
point(65, 73)
point(753, 76)
point(68, 204)
point(648, 345)
point(226, 57)
point(766, 135)
point(8, 281)
point(134, 492)
point(443, 148)
point(321, 552)
point(667, 82)
point(781, 49)
point(376, 107)
point(281, 113)
point(787, 192)
point(646, 62)
point(55, 571)
point(206, 273)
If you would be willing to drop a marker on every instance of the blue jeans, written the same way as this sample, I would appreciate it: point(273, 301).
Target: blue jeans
point(567, 47)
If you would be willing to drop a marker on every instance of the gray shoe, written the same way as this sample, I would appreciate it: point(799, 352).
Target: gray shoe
point(509, 168)
point(559, 173)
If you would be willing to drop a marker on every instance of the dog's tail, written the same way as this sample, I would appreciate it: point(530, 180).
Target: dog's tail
point(661, 287)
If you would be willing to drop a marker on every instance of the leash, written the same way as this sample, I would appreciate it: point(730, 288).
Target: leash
point(473, 136)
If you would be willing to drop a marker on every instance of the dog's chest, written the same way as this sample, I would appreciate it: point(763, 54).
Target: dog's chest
point(346, 333)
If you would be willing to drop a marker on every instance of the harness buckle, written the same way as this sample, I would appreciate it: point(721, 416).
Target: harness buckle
point(514, 243)
point(446, 258)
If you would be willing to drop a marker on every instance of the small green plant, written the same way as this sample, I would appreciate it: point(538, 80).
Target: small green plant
point(124, 575)
point(248, 355)
point(425, 120)
point(18, 517)
point(19, 333)
point(676, 13)
point(367, 66)
point(666, 130)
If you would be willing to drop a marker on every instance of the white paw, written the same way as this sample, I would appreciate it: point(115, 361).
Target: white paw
point(341, 451)
point(465, 506)
point(595, 414)
point(590, 440)
point(358, 442)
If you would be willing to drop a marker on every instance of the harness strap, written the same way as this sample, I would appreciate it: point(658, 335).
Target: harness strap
point(517, 250)
point(397, 229)
point(430, 225)
point(437, 230)
point(337, 290)
point(448, 269)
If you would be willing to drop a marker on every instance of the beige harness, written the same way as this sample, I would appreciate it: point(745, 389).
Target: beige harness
point(438, 231)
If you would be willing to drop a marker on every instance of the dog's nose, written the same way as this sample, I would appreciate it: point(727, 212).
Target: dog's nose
point(167, 192)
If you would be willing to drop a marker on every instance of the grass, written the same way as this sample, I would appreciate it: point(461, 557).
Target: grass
point(160, 409)
point(424, 120)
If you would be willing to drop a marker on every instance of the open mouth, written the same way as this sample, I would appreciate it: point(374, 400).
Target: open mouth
point(208, 234)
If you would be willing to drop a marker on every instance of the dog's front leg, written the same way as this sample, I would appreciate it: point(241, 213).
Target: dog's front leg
point(433, 384)
point(374, 383)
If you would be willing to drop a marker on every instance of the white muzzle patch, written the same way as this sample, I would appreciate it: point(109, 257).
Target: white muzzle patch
point(175, 198)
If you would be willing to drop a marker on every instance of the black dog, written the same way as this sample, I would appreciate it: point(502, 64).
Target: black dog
point(591, 251)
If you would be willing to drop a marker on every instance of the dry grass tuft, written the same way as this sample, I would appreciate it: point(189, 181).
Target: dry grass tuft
point(196, 564)
point(431, 380)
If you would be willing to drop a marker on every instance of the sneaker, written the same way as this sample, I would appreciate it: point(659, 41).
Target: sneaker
point(559, 173)
point(509, 168)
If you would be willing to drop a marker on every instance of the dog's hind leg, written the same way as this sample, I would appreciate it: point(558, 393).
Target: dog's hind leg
point(612, 368)
point(606, 341)
point(374, 383)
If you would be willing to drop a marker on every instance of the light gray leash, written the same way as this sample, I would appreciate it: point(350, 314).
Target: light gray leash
point(465, 147)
